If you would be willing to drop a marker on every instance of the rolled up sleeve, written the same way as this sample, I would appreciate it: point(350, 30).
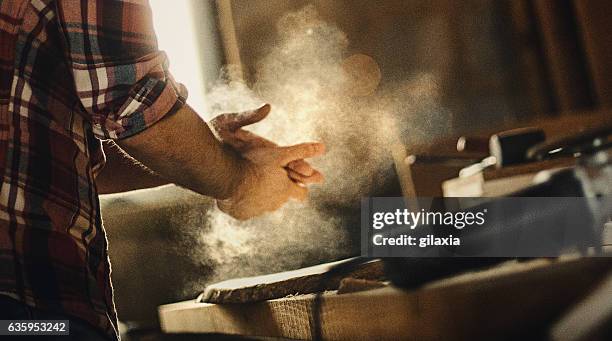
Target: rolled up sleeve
point(121, 78)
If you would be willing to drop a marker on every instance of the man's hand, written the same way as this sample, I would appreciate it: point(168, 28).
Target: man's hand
point(228, 127)
point(182, 148)
point(267, 185)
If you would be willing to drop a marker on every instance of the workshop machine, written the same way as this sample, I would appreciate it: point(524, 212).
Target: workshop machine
point(578, 166)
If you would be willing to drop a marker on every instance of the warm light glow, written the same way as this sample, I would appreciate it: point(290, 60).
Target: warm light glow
point(176, 34)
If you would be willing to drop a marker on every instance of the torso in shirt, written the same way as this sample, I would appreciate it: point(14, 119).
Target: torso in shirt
point(71, 72)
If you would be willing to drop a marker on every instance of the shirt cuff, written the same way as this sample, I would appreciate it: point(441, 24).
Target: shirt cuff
point(155, 95)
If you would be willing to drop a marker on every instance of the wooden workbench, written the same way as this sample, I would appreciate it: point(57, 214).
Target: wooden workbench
point(509, 300)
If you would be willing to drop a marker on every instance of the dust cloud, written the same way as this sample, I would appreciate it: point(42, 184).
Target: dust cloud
point(303, 78)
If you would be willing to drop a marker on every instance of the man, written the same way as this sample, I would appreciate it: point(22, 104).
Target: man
point(73, 73)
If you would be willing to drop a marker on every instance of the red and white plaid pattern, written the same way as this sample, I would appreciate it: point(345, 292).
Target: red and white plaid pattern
point(72, 72)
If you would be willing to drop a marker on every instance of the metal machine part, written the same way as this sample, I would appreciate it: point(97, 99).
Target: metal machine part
point(590, 179)
point(587, 142)
point(510, 147)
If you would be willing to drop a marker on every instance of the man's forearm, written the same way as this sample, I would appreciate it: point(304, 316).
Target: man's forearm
point(122, 173)
point(182, 149)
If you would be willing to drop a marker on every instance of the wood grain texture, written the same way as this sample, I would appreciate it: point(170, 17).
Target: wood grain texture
point(505, 301)
point(349, 285)
point(301, 281)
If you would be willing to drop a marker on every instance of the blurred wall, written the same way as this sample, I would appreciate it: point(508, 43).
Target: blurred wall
point(209, 42)
point(464, 44)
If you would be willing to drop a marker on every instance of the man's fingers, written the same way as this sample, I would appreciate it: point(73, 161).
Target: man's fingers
point(253, 140)
point(314, 178)
point(301, 166)
point(300, 151)
point(298, 192)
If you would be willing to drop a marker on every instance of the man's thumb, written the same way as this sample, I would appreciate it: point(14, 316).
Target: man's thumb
point(250, 117)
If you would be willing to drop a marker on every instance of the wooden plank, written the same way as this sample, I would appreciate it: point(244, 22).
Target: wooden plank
point(229, 40)
point(589, 319)
point(301, 281)
point(504, 301)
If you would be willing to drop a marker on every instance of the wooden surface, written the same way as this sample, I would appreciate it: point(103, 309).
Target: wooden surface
point(508, 300)
point(227, 30)
point(503, 181)
point(589, 319)
point(301, 281)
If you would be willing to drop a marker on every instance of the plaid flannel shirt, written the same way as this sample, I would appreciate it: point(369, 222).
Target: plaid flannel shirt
point(72, 72)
